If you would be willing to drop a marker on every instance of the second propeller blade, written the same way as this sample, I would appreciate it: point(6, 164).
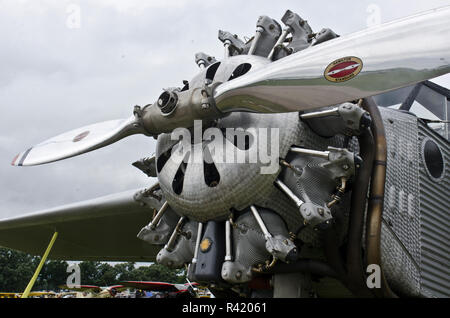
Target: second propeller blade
point(358, 65)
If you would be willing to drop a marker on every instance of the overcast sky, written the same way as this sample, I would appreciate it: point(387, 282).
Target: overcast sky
point(67, 64)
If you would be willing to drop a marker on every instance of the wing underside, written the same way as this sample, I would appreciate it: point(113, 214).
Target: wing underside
point(102, 229)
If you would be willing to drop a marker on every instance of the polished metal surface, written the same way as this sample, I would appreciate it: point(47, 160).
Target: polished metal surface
point(329, 112)
point(310, 152)
point(78, 141)
point(393, 55)
point(383, 58)
point(190, 103)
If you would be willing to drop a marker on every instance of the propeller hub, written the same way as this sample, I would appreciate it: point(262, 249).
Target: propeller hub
point(167, 101)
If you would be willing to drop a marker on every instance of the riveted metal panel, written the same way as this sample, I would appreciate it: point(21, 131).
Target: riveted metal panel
point(435, 220)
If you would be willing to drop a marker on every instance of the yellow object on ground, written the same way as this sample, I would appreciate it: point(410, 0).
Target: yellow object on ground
point(41, 264)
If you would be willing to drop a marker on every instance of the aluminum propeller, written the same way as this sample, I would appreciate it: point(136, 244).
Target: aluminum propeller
point(366, 63)
point(362, 64)
point(78, 141)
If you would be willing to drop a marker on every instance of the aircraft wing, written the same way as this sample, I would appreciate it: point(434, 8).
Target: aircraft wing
point(102, 229)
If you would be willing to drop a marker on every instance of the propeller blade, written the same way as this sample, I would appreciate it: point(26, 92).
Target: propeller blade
point(366, 63)
point(78, 141)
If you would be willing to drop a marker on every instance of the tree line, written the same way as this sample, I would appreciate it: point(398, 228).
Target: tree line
point(17, 268)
